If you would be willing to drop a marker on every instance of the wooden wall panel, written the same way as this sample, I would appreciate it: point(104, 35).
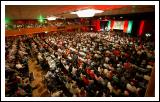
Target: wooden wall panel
point(27, 31)
point(150, 92)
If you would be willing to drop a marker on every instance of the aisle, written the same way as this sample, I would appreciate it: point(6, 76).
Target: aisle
point(41, 89)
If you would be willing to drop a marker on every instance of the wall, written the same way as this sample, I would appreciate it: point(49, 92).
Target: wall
point(96, 25)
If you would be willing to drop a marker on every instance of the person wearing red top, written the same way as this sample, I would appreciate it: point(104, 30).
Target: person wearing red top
point(126, 65)
point(85, 80)
point(79, 63)
point(116, 52)
point(126, 55)
point(90, 73)
point(87, 70)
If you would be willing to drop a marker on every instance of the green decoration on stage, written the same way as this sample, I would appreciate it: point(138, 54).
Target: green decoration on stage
point(109, 25)
point(130, 24)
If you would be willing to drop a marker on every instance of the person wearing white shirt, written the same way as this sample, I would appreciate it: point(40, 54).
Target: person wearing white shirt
point(105, 72)
point(131, 88)
point(100, 70)
point(85, 49)
point(74, 71)
point(49, 75)
point(110, 87)
point(106, 59)
point(19, 66)
point(56, 94)
point(40, 58)
point(82, 53)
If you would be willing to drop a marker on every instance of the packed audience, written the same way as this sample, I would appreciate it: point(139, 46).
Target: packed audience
point(90, 64)
point(37, 24)
point(17, 78)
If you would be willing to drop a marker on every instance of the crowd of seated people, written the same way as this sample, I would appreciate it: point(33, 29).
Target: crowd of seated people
point(18, 26)
point(17, 79)
point(37, 25)
point(93, 64)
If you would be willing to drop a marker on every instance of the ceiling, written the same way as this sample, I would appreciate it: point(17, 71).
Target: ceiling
point(33, 11)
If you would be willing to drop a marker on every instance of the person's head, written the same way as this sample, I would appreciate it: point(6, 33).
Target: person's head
point(98, 75)
point(56, 55)
point(14, 76)
point(61, 93)
point(52, 70)
point(82, 88)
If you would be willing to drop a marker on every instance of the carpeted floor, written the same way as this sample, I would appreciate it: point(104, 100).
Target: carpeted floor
point(41, 90)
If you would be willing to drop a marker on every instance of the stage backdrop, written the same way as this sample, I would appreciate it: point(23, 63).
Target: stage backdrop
point(126, 26)
point(118, 25)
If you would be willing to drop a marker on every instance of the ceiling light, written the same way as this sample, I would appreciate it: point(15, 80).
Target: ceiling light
point(51, 18)
point(87, 12)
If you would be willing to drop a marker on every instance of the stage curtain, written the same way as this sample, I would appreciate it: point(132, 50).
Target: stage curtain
point(141, 28)
point(125, 26)
point(112, 24)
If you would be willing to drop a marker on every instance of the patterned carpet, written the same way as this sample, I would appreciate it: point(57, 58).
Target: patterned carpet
point(41, 90)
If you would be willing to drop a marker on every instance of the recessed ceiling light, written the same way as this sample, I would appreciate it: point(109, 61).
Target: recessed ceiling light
point(51, 18)
point(87, 12)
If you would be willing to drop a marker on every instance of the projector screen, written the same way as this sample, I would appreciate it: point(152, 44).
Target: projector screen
point(118, 25)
